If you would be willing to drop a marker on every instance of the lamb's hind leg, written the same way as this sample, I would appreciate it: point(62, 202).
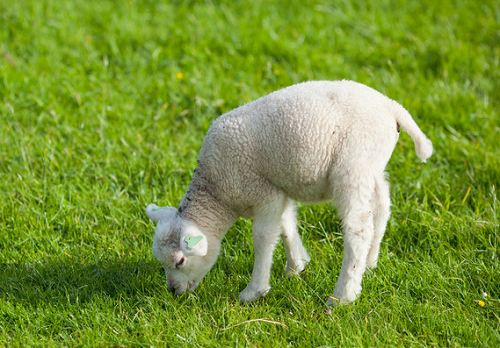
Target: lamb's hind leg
point(355, 211)
point(381, 204)
point(296, 255)
point(266, 229)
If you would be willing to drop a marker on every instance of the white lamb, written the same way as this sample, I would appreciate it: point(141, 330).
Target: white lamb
point(311, 142)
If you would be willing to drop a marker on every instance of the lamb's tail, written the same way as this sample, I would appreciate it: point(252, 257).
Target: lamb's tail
point(423, 146)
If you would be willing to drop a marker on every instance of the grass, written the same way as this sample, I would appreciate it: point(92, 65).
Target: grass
point(103, 108)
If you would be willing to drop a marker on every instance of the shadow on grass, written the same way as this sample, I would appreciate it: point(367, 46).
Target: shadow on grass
point(56, 281)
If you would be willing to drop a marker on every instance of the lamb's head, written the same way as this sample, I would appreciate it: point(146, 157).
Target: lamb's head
point(182, 248)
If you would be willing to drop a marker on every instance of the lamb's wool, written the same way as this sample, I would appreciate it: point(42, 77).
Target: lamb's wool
point(310, 142)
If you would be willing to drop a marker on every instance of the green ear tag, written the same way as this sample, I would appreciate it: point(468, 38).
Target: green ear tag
point(193, 241)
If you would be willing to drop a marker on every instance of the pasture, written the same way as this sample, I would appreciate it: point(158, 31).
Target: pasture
point(104, 106)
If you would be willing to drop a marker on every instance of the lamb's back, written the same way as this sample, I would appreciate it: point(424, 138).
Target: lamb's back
point(290, 138)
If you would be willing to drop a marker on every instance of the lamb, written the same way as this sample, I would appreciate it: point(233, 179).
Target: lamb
point(310, 142)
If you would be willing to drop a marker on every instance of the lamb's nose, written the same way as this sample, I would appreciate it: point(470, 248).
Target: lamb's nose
point(180, 263)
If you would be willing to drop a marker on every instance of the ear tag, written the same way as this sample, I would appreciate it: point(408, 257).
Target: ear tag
point(160, 208)
point(193, 241)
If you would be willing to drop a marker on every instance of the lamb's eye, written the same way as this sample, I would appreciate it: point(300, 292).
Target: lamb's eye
point(168, 242)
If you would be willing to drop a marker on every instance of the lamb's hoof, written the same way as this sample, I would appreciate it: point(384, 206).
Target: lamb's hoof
point(372, 263)
point(372, 259)
point(295, 271)
point(298, 267)
point(249, 296)
point(342, 298)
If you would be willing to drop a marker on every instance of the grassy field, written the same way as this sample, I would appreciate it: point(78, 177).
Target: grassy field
point(103, 108)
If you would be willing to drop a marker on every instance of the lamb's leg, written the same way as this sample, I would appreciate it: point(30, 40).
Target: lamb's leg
point(381, 204)
point(296, 255)
point(358, 233)
point(266, 229)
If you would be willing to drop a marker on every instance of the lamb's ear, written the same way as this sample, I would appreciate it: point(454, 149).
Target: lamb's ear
point(193, 241)
point(158, 213)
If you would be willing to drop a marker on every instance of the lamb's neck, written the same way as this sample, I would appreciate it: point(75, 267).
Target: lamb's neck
point(201, 206)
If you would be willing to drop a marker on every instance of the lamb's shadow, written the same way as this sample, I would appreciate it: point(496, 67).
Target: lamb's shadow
point(66, 281)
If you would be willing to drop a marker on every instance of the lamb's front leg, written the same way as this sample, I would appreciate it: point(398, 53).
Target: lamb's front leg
point(266, 230)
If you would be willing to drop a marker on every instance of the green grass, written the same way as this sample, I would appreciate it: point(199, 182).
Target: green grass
point(96, 122)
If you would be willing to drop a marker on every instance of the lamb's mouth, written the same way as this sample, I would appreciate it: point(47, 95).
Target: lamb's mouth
point(178, 288)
